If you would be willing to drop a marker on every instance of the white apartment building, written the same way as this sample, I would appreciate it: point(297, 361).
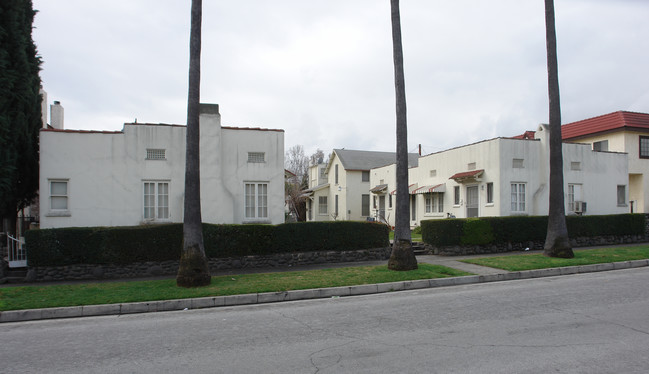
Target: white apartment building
point(504, 177)
point(136, 176)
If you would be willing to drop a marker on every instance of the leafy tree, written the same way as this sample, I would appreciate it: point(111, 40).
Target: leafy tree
point(193, 270)
point(20, 109)
point(557, 243)
point(402, 257)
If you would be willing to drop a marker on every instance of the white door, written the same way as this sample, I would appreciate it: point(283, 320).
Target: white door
point(472, 203)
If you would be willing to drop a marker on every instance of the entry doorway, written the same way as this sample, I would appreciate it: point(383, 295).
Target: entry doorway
point(472, 201)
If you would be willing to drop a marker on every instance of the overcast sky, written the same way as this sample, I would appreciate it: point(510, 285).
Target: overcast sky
point(322, 69)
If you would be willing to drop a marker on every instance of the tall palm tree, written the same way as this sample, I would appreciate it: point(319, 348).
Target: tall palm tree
point(402, 257)
point(193, 270)
point(557, 243)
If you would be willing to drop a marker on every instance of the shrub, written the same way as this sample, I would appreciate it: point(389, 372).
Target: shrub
point(521, 229)
point(476, 231)
point(122, 245)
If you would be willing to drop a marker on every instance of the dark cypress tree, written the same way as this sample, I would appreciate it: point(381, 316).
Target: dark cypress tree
point(20, 108)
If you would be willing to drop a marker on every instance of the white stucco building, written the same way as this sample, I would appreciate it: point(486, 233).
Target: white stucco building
point(506, 176)
point(136, 176)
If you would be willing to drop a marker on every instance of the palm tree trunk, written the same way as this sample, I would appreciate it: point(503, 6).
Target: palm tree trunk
point(402, 257)
point(193, 270)
point(557, 243)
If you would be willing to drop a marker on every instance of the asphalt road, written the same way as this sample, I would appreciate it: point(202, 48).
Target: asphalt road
point(585, 323)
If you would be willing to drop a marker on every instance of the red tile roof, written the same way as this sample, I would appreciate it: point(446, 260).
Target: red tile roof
point(608, 122)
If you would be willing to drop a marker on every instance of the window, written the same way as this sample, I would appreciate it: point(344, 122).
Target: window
point(471, 166)
point(336, 206)
point(574, 194)
point(336, 173)
point(310, 210)
point(365, 205)
point(322, 173)
point(601, 146)
point(58, 195)
point(621, 195)
point(518, 163)
point(644, 146)
point(156, 201)
point(575, 165)
point(155, 154)
point(365, 176)
point(434, 202)
point(322, 205)
point(433, 173)
point(390, 201)
point(256, 200)
point(374, 202)
point(456, 195)
point(518, 197)
point(490, 193)
point(256, 157)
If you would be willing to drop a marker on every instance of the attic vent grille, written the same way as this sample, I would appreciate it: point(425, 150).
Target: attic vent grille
point(256, 157)
point(155, 154)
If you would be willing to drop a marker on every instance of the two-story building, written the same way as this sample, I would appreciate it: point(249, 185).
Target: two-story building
point(340, 189)
point(136, 176)
point(619, 132)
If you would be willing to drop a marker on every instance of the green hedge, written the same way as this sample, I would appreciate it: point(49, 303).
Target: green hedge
point(122, 245)
point(520, 229)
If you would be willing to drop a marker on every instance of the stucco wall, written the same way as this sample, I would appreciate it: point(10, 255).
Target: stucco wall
point(105, 172)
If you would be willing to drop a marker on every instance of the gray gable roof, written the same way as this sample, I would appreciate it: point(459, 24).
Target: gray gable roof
point(366, 160)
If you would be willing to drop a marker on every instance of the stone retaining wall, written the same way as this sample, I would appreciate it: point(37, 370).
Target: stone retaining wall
point(461, 250)
point(147, 269)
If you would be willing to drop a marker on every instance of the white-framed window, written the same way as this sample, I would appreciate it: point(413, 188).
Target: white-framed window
point(434, 202)
point(365, 176)
point(621, 195)
point(58, 195)
point(256, 200)
point(336, 174)
point(433, 173)
point(518, 163)
point(600, 146)
point(574, 194)
point(518, 197)
point(156, 200)
point(471, 166)
point(390, 201)
point(156, 154)
point(456, 195)
point(322, 205)
point(256, 157)
point(336, 206)
point(490, 193)
point(365, 205)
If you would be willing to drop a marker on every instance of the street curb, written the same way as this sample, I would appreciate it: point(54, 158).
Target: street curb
point(318, 293)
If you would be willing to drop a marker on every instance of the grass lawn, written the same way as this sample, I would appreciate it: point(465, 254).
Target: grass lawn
point(31, 297)
point(414, 237)
point(582, 257)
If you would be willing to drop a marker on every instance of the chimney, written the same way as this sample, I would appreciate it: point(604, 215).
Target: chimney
point(56, 111)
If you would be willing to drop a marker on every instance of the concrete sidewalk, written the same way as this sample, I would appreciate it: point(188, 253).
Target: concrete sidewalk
point(483, 275)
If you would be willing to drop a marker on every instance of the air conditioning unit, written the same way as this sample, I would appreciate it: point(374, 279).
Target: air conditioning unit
point(580, 207)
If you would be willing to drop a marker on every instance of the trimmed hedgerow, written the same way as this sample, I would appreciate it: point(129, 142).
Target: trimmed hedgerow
point(520, 229)
point(122, 245)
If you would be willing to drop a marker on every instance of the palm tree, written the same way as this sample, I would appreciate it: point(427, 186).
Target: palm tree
point(193, 270)
point(557, 243)
point(402, 257)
